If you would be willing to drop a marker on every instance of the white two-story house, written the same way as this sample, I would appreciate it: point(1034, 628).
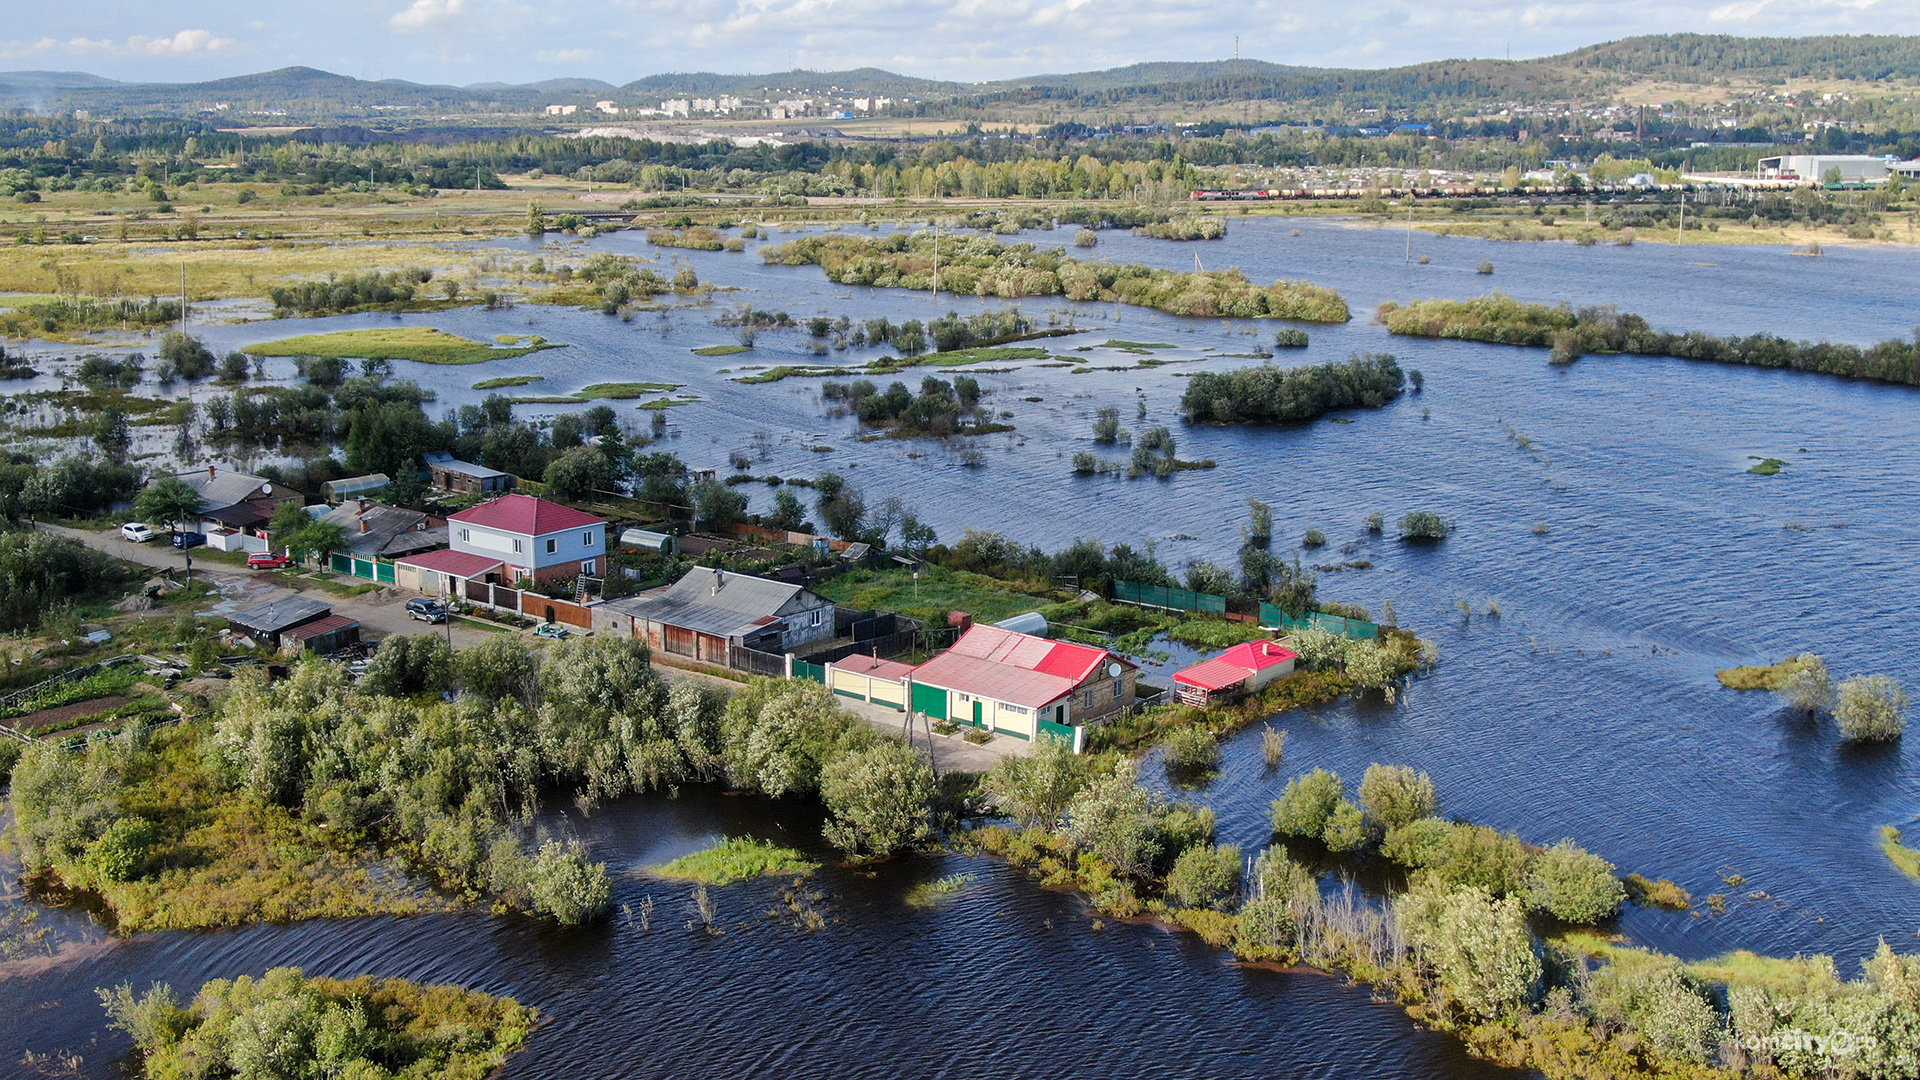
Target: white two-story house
point(535, 540)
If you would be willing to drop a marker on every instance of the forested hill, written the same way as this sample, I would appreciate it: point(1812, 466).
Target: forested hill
point(1589, 73)
point(1693, 56)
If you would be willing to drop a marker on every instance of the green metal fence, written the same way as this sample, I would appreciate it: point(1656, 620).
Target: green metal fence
point(1161, 596)
point(1272, 615)
point(814, 672)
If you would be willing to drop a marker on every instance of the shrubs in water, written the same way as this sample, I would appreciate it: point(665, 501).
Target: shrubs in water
point(1314, 539)
point(1205, 876)
point(1572, 333)
point(983, 266)
point(1314, 806)
point(1424, 526)
point(877, 799)
point(286, 1024)
point(1192, 749)
point(1485, 267)
point(1573, 884)
point(1291, 338)
point(1395, 795)
point(1871, 708)
point(1479, 946)
point(1267, 394)
point(1086, 238)
point(1106, 426)
point(1273, 746)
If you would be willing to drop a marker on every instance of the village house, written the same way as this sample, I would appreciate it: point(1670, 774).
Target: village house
point(296, 623)
point(235, 507)
point(1024, 686)
point(377, 531)
point(465, 478)
point(533, 539)
point(1238, 671)
point(709, 612)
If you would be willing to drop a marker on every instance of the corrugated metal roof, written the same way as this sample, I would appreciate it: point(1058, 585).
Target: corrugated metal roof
point(874, 668)
point(1235, 665)
point(278, 614)
point(464, 468)
point(993, 662)
point(458, 563)
point(321, 627)
point(712, 602)
point(222, 488)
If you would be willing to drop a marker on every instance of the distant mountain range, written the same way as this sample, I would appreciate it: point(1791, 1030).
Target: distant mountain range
point(1588, 72)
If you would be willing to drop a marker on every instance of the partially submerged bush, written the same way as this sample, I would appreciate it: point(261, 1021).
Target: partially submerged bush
point(1192, 749)
point(1424, 526)
point(1205, 876)
point(1872, 708)
point(1573, 884)
point(1395, 795)
point(1478, 945)
point(1307, 803)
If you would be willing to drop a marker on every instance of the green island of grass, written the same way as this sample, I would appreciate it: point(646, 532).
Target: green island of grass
point(668, 402)
point(399, 1028)
point(722, 350)
point(1904, 857)
point(622, 391)
point(507, 380)
point(1764, 676)
point(737, 858)
point(422, 344)
point(1768, 467)
point(1116, 343)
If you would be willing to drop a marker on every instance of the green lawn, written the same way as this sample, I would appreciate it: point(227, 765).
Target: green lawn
point(419, 343)
point(938, 592)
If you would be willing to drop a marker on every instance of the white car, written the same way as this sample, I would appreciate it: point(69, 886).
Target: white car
point(134, 532)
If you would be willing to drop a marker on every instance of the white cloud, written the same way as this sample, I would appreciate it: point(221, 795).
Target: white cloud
point(184, 43)
point(426, 14)
point(1742, 11)
point(566, 56)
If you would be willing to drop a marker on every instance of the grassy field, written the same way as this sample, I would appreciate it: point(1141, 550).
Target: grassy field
point(1904, 857)
point(505, 381)
point(721, 350)
point(623, 391)
point(737, 858)
point(937, 592)
point(420, 343)
point(1763, 676)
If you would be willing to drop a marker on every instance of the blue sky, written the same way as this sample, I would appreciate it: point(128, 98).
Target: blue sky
point(465, 41)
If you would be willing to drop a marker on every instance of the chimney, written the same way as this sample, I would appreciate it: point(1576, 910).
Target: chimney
point(363, 524)
point(363, 506)
point(719, 579)
point(211, 472)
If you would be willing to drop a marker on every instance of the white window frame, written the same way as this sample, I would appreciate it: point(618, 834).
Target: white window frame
point(1119, 689)
point(516, 545)
point(586, 538)
point(588, 566)
point(1089, 697)
point(465, 536)
point(553, 545)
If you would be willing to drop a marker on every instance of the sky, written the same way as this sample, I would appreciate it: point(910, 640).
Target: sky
point(469, 41)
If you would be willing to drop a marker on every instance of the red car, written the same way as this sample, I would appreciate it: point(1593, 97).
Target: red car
point(267, 560)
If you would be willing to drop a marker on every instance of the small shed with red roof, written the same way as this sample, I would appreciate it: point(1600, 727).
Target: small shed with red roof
point(1024, 686)
point(1239, 670)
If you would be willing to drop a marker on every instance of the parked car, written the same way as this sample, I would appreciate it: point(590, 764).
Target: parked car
point(551, 630)
point(136, 533)
point(426, 610)
point(267, 560)
point(184, 540)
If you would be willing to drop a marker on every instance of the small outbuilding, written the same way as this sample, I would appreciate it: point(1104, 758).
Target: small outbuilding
point(658, 543)
point(323, 636)
point(451, 474)
point(1240, 670)
point(268, 622)
point(335, 491)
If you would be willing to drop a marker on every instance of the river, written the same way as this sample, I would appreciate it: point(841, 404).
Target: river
point(1586, 708)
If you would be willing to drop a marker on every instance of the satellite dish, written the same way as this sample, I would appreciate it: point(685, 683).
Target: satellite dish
point(1114, 669)
point(266, 489)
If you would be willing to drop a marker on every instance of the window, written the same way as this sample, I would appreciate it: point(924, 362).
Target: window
point(465, 535)
point(1089, 697)
point(553, 544)
point(816, 616)
point(586, 538)
point(516, 546)
point(1118, 688)
point(588, 566)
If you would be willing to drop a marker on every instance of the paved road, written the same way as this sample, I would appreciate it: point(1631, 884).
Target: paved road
point(380, 613)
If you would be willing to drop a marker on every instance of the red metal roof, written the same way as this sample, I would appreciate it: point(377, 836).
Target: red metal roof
point(320, 627)
point(526, 515)
point(447, 561)
point(1235, 665)
point(1009, 666)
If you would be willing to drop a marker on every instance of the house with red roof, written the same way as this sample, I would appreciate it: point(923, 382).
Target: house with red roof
point(1239, 670)
point(532, 539)
point(1024, 686)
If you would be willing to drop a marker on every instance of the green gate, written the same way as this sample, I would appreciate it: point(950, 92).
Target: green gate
point(1060, 731)
point(342, 564)
point(811, 672)
point(930, 700)
point(383, 572)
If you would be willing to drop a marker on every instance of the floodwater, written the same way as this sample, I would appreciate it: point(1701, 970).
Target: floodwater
point(1628, 550)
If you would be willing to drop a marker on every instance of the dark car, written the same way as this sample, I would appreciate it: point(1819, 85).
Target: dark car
point(184, 540)
point(426, 610)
